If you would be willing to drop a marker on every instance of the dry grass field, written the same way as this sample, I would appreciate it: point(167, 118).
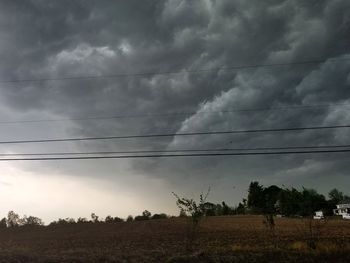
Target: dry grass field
point(220, 239)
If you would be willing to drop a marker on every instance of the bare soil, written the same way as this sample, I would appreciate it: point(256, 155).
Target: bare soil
point(219, 239)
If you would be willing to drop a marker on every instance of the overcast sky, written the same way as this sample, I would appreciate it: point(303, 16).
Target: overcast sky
point(64, 39)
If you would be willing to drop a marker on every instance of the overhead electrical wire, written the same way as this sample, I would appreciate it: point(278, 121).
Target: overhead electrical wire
point(180, 150)
point(175, 134)
point(172, 114)
point(143, 74)
point(174, 155)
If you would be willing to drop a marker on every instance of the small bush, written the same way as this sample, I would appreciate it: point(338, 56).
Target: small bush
point(159, 216)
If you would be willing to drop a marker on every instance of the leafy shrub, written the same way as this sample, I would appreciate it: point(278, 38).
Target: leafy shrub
point(82, 220)
point(146, 215)
point(159, 216)
point(196, 210)
point(110, 219)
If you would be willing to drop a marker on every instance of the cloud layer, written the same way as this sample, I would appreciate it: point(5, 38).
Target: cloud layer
point(56, 39)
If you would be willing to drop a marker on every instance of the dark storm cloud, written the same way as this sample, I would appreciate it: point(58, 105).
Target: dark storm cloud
point(48, 39)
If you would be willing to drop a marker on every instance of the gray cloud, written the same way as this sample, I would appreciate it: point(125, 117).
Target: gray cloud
point(41, 39)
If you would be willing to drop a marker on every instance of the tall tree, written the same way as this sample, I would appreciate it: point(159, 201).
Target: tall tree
point(256, 197)
point(271, 195)
point(335, 195)
point(289, 202)
point(311, 202)
point(12, 219)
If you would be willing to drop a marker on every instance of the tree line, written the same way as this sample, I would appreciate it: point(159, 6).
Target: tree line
point(276, 200)
point(269, 200)
point(291, 201)
point(15, 220)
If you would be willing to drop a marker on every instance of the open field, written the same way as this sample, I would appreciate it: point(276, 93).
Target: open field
point(220, 239)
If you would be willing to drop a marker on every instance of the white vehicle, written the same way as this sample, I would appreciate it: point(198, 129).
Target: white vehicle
point(318, 215)
point(346, 216)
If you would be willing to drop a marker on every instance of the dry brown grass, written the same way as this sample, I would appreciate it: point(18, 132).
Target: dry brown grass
point(220, 239)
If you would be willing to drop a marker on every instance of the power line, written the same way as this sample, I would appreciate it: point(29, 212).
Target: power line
point(171, 114)
point(172, 155)
point(143, 74)
point(179, 150)
point(175, 134)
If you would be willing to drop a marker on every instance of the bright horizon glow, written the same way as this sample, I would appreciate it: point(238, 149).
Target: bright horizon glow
point(61, 196)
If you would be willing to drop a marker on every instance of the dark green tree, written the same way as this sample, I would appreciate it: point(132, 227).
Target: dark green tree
point(335, 196)
point(109, 219)
point(225, 209)
point(146, 213)
point(209, 209)
point(256, 200)
point(159, 216)
point(31, 221)
point(3, 223)
point(311, 202)
point(94, 218)
point(271, 196)
point(289, 202)
point(13, 219)
point(240, 210)
point(82, 220)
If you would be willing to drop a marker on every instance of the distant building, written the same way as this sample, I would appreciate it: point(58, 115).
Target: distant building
point(343, 208)
point(319, 215)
